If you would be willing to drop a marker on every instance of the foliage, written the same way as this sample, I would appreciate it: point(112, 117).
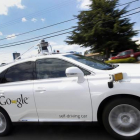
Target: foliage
point(86, 52)
point(126, 60)
point(102, 29)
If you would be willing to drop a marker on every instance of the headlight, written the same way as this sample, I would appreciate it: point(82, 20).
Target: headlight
point(132, 55)
point(109, 59)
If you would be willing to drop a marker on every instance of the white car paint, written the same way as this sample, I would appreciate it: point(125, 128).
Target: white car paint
point(59, 98)
point(64, 99)
point(20, 111)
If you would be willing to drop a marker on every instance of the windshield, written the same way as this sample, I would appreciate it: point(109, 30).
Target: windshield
point(124, 53)
point(90, 62)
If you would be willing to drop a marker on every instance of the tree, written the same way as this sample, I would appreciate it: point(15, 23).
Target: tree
point(103, 28)
point(86, 52)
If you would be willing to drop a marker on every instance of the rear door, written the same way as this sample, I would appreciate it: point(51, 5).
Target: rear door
point(59, 98)
point(16, 92)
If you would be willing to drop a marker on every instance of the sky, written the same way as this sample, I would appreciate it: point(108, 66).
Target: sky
point(19, 16)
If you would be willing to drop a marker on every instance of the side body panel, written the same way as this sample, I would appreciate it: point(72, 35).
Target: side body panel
point(99, 90)
point(18, 100)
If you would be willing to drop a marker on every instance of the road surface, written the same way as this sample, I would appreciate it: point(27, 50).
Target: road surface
point(58, 132)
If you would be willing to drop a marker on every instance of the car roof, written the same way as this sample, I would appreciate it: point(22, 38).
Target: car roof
point(126, 50)
point(34, 58)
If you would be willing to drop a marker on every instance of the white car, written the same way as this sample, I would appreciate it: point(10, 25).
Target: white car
point(71, 88)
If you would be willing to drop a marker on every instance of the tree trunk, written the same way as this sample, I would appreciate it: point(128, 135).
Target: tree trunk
point(107, 53)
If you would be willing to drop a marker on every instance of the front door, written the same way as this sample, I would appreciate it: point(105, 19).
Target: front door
point(59, 98)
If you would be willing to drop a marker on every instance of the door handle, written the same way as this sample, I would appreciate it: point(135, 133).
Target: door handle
point(40, 90)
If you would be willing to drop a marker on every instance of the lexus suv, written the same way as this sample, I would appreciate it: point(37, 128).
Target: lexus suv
point(71, 88)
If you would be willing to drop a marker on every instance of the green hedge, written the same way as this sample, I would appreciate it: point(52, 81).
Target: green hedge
point(126, 60)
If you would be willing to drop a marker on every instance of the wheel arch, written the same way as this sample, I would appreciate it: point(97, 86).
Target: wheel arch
point(5, 112)
point(110, 98)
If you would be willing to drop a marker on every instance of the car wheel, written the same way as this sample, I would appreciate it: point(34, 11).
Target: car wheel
point(138, 58)
point(5, 123)
point(121, 118)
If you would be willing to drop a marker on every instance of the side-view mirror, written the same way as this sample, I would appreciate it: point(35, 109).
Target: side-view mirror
point(75, 72)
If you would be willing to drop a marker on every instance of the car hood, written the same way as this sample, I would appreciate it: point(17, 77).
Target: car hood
point(128, 70)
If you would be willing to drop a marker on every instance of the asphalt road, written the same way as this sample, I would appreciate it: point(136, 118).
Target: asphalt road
point(58, 132)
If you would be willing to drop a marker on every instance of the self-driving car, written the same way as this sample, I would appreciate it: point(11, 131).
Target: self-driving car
point(71, 88)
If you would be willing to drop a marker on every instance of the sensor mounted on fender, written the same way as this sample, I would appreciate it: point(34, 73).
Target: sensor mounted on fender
point(114, 77)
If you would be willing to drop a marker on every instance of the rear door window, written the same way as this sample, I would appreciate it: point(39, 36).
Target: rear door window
point(20, 72)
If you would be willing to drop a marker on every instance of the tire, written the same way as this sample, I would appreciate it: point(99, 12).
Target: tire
point(121, 118)
point(5, 123)
point(138, 58)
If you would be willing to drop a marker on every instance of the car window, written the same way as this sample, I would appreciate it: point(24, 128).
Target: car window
point(20, 72)
point(121, 54)
point(128, 52)
point(124, 53)
point(52, 68)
